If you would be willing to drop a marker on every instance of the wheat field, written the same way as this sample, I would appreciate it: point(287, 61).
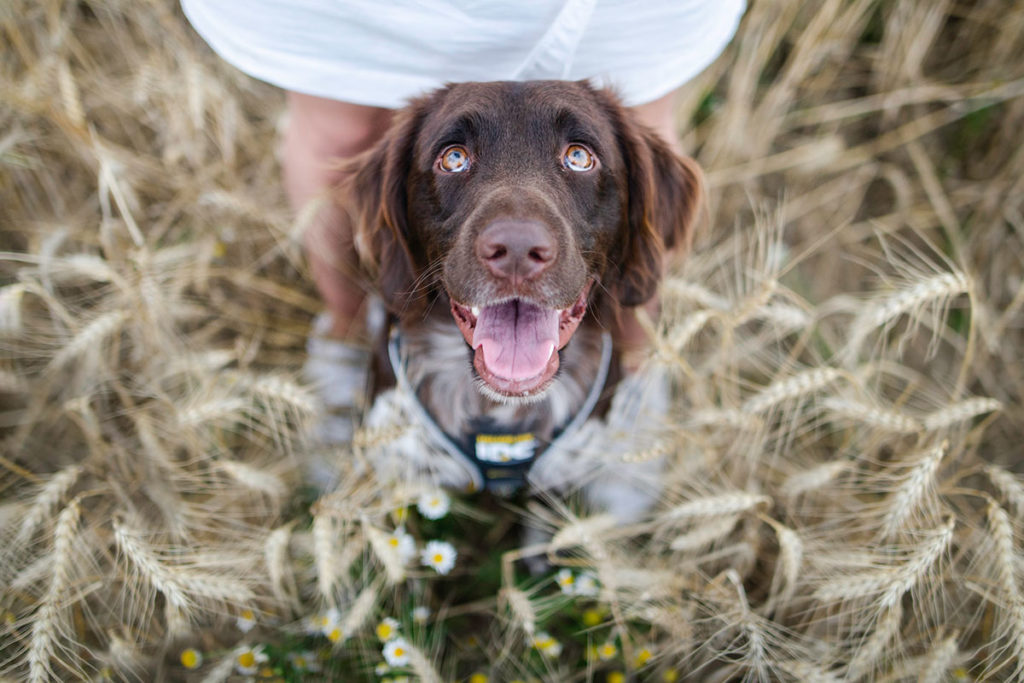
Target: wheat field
point(843, 493)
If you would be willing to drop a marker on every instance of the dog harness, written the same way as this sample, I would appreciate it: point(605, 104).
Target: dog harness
point(498, 459)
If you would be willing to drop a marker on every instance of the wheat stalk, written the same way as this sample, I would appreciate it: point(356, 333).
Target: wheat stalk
point(275, 556)
point(10, 309)
point(936, 290)
point(870, 655)
point(814, 479)
point(394, 567)
point(89, 339)
point(790, 562)
point(940, 660)
point(1005, 564)
point(421, 664)
point(917, 486)
point(360, 609)
point(254, 478)
point(522, 609)
point(705, 534)
point(959, 412)
point(1011, 487)
point(886, 420)
point(717, 506)
point(790, 388)
point(325, 538)
point(50, 493)
point(582, 531)
point(49, 624)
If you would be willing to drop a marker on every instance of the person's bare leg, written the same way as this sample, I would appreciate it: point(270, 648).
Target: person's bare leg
point(320, 133)
point(660, 115)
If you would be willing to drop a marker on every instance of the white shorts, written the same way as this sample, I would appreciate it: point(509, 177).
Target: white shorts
point(383, 52)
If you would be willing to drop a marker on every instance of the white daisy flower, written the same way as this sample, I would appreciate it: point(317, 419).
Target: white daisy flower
point(643, 655)
point(331, 625)
point(440, 555)
point(248, 660)
point(607, 650)
point(396, 652)
point(587, 585)
point(387, 629)
point(434, 505)
point(420, 614)
point(566, 581)
point(304, 661)
point(382, 669)
point(314, 624)
point(246, 621)
point(547, 645)
point(403, 543)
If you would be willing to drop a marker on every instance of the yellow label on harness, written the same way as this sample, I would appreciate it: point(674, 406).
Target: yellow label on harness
point(505, 447)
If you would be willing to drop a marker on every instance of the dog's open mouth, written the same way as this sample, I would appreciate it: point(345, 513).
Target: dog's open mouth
point(516, 342)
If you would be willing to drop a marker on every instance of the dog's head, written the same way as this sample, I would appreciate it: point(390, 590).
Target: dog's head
point(522, 204)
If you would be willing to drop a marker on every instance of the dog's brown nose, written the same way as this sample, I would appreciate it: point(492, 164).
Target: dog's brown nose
point(516, 250)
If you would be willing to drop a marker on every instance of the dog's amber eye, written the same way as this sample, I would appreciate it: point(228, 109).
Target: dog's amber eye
point(454, 159)
point(578, 158)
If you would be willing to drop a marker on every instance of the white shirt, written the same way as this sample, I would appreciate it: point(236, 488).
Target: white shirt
point(383, 52)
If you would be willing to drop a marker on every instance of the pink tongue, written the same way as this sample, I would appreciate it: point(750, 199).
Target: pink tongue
point(517, 338)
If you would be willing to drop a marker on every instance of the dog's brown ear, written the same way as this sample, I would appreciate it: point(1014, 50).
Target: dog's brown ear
point(663, 193)
point(374, 197)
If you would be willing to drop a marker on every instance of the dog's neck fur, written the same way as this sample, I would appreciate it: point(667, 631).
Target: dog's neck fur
point(439, 367)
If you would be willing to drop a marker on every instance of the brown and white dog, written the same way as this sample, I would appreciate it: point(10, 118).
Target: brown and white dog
point(505, 226)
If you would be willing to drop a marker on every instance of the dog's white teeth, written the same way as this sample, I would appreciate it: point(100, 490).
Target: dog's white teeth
point(475, 310)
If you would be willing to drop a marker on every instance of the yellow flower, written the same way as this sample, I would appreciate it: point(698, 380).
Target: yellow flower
point(335, 634)
point(616, 677)
point(478, 678)
point(670, 676)
point(592, 617)
point(191, 658)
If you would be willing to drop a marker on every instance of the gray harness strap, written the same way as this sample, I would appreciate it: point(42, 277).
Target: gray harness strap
point(507, 473)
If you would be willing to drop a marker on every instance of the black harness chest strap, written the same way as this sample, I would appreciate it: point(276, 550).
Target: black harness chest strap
point(500, 461)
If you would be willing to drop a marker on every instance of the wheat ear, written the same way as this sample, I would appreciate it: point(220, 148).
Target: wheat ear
point(790, 388)
point(1005, 564)
point(918, 483)
point(958, 412)
point(48, 624)
point(717, 506)
point(89, 338)
point(324, 539)
point(880, 418)
point(940, 660)
point(421, 664)
point(50, 493)
point(1011, 487)
point(522, 609)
